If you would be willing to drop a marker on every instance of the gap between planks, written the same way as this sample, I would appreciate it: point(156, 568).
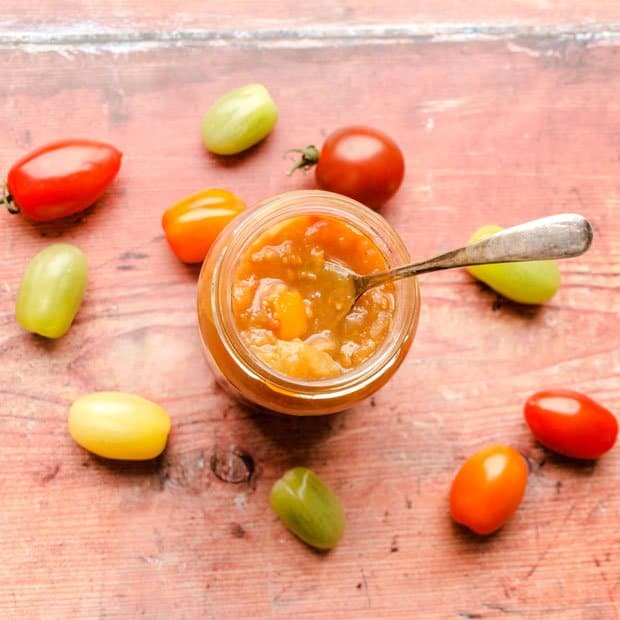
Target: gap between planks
point(91, 35)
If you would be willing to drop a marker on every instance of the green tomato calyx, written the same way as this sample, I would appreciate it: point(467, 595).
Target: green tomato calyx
point(8, 201)
point(309, 157)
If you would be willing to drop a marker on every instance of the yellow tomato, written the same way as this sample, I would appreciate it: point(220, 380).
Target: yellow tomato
point(117, 425)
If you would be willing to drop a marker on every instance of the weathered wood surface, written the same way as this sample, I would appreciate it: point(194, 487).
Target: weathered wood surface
point(498, 130)
point(167, 14)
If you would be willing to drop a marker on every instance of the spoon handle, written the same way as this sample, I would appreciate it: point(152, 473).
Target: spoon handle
point(556, 236)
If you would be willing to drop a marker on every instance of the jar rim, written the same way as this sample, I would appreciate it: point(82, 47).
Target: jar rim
point(292, 204)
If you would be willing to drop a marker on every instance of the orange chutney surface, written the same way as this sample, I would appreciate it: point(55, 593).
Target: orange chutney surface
point(289, 310)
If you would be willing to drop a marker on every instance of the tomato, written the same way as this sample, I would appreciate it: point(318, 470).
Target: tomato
point(51, 290)
point(571, 423)
point(192, 224)
point(117, 425)
point(528, 282)
point(488, 488)
point(61, 178)
point(308, 507)
point(239, 119)
point(360, 162)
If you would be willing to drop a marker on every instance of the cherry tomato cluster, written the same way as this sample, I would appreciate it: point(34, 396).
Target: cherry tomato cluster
point(358, 161)
point(65, 177)
point(54, 181)
point(489, 486)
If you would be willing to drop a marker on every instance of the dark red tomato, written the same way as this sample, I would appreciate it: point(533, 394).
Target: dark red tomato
point(360, 162)
point(61, 178)
point(571, 423)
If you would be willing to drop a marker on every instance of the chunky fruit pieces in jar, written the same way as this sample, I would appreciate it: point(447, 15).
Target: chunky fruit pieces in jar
point(286, 303)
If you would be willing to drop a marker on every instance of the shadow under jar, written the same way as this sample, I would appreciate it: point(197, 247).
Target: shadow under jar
point(268, 314)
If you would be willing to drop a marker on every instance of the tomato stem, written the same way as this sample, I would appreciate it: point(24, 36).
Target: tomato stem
point(309, 157)
point(8, 202)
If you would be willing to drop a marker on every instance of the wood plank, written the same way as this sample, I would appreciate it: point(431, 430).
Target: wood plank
point(169, 15)
point(493, 131)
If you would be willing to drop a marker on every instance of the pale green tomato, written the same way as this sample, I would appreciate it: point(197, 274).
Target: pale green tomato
point(51, 290)
point(239, 119)
point(308, 507)
point(117, 425)
point(530, 282)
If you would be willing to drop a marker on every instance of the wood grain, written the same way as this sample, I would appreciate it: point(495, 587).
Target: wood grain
point(170, 15)
point(493, 131)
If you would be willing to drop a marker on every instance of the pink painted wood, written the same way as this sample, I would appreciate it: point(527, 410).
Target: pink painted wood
point(167, 14)
point(499, 130)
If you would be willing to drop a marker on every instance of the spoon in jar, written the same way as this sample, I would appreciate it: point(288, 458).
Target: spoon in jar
point(556, 236)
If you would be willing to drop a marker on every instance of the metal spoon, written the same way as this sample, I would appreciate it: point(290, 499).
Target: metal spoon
point(556, 236)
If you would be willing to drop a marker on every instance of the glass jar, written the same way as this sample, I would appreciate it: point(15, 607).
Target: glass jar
point(243, 374)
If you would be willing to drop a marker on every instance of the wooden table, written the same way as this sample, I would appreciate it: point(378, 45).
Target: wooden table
point(506, 111)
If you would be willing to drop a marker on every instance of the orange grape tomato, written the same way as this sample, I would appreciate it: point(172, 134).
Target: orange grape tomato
point(192, 224)
point(488, 488)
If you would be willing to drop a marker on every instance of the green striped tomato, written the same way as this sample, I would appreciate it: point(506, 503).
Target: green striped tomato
point(51, 290)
